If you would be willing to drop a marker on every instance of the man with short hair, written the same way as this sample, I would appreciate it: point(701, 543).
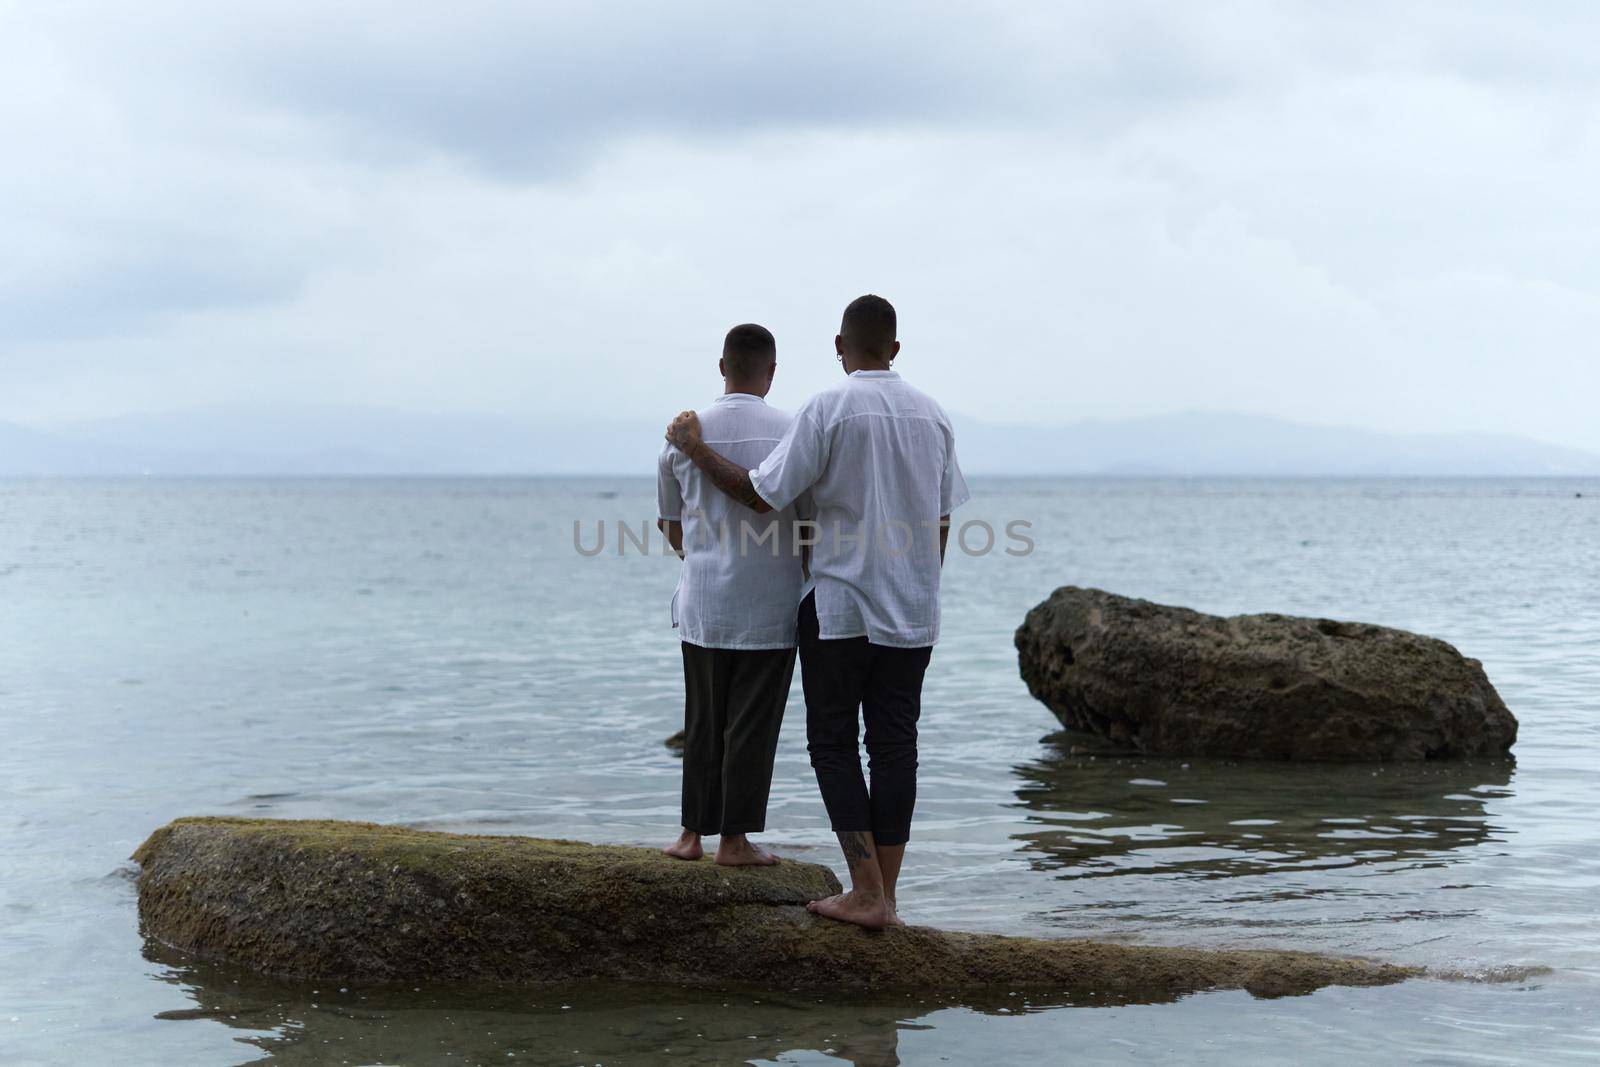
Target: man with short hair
point(735, 612)
point(878, 459)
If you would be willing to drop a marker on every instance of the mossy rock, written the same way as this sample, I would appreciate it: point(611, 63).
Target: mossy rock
point(360, 902)
point(1165, 680)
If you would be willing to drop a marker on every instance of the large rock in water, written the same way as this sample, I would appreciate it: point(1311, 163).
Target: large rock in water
point(1173, 681)
point(361, 903)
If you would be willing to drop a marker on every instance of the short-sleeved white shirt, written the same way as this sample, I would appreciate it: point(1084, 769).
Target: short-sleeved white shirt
point(879, 460)
point(739, 586)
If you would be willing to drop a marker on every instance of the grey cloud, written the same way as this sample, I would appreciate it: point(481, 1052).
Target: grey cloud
point(532, 90)
point(138, 293)
point(297, 91)
point(1375, 214)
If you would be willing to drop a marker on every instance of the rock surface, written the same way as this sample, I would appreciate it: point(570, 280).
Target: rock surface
point(1173, 681)
point(359, 902)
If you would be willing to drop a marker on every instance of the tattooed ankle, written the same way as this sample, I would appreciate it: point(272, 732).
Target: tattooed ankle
point(855, 846)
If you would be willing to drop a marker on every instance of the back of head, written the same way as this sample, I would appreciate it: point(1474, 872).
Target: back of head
point(869, 327)
point(748, 352)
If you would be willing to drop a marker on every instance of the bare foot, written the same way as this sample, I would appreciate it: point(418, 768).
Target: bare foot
point(894, 915)
point(686, 847)
point(870, 912)
point(737, 850)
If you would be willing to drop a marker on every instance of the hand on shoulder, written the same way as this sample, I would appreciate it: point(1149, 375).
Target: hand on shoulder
point(684, 430)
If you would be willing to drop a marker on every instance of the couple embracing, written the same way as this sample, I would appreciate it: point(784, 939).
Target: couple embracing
point(825, 533)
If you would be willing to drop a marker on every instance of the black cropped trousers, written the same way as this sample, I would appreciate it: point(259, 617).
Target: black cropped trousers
point(848, 681)
point(733, 713)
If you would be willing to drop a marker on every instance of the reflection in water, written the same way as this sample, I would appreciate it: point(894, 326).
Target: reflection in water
point(292, 1023)
point(310, 1023)
point(1093, 816)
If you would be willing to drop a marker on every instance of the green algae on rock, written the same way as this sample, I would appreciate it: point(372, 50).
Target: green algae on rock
point(361, 902)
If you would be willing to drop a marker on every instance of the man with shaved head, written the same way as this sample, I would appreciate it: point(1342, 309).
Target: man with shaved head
point(878, 460)
point(735, 612)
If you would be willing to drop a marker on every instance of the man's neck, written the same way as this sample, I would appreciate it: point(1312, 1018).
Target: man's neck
point(853, 365)
point(740, 387)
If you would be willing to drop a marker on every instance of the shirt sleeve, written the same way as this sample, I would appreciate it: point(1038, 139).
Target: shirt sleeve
point(669, 495)
point(952, 486)
point(795, 465)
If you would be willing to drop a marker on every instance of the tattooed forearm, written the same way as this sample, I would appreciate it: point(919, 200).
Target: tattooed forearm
point(855, 846)
point(728, 476)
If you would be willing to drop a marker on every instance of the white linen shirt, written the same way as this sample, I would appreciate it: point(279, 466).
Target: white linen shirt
point(739, 586)
point(879, 460)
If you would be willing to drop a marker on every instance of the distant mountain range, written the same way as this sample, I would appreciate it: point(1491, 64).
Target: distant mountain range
point(1197, 443)
point(364, 441)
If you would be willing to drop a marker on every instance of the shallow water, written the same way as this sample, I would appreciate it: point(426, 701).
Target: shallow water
point(436, 653)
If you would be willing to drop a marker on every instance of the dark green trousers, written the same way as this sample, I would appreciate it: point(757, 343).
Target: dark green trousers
point(733, 711)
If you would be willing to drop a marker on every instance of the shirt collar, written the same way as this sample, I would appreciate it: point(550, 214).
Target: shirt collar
point(883, 375)
point(738, 398)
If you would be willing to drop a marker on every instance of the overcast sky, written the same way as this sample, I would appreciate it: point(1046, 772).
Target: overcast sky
point(1378, 214)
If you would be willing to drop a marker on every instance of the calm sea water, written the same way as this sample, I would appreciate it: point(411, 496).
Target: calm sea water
point(435, 653)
